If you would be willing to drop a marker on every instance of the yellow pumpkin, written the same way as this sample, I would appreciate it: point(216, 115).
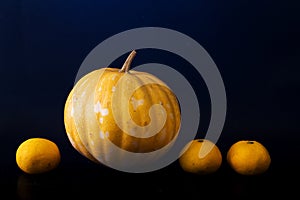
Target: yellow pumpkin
point(135, 111)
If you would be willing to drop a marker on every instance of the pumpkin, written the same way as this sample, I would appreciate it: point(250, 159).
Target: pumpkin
point(112, 108)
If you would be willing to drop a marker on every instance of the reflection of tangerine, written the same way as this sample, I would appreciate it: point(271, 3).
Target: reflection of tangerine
point(201, 156)
point(134, 110)
point(248, 157)
point(27, 187)
point(37, 155)
point(38, 186)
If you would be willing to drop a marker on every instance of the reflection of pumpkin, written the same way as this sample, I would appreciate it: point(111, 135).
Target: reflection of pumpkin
point(134, 110)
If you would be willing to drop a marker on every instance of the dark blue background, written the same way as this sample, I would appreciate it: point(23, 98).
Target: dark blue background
point(255, 45)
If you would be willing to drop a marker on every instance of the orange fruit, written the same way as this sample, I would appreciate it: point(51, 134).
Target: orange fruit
point(200, 156)
point(37, 155)
point(248, 157)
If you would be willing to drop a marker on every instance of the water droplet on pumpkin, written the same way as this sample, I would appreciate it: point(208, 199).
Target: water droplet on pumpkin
point(101, 120)
point(99, 109)
point(136, 103)
point(102, 136)
point(72, 112)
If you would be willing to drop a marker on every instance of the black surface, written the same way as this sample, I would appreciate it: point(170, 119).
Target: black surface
point(97, 181)
point(255, 45)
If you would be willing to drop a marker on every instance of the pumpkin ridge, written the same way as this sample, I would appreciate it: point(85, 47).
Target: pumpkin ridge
point(163, 93)
point(168, 94)
point(72, 132)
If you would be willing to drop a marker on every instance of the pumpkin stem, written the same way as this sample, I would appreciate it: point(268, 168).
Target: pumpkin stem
point(128, 61)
